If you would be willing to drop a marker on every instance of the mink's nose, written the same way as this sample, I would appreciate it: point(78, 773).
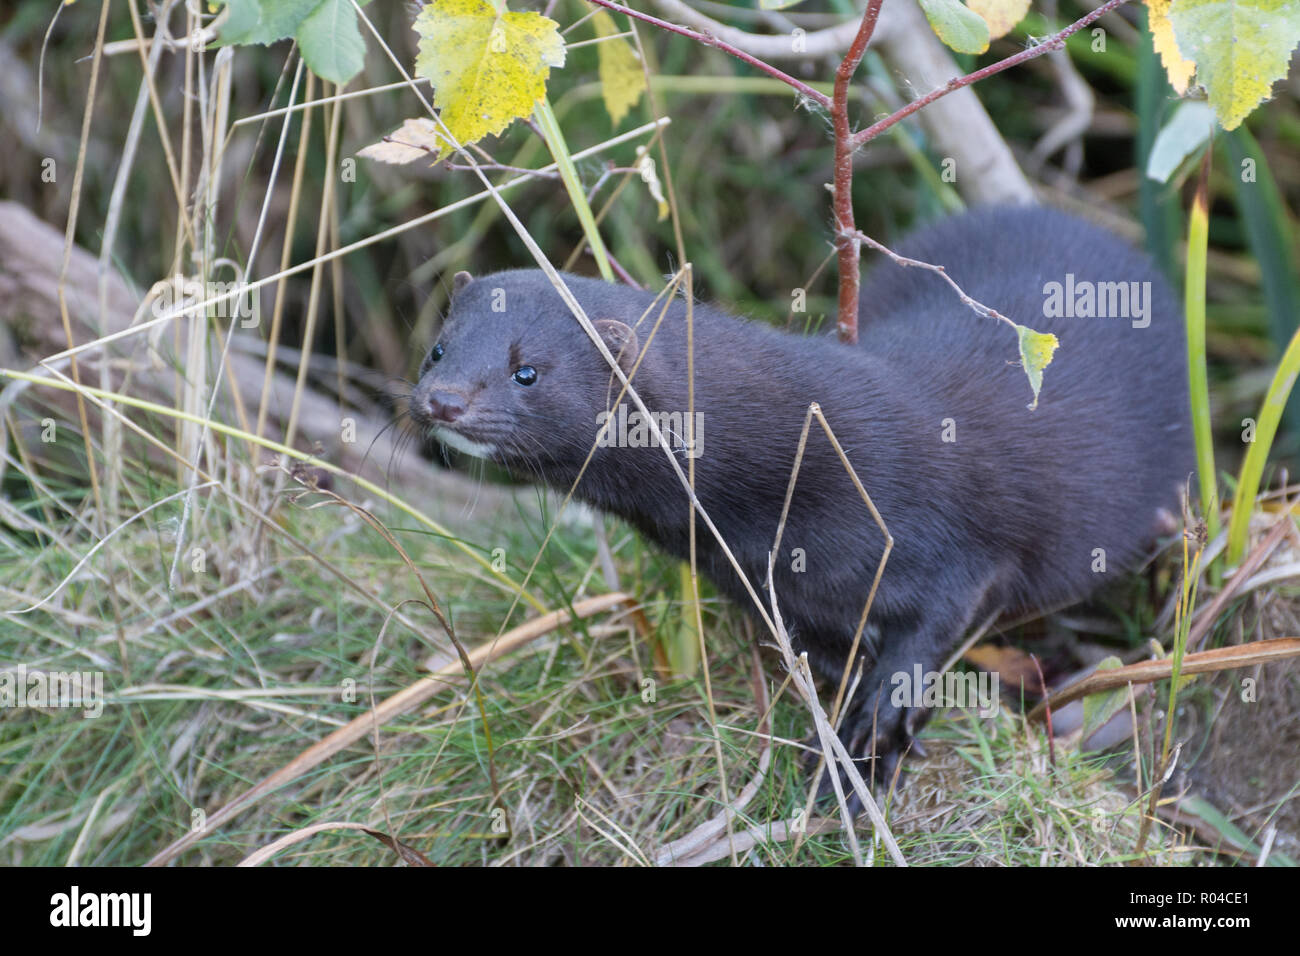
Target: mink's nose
point(445, 406)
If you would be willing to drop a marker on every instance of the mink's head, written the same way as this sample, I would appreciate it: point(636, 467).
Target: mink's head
point(514, 379)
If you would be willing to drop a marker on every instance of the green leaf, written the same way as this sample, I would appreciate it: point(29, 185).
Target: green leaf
point(1185, 135)
point(243, 19)
point(1036, 351)
point(326, 31)
point(487, 69)
point(1213, 816)
point(959, 28)
point(1252, 468)
point(277, 20)
point(331, 42)
point(1100, 708)
point(1240, 47)
point(1198, 380)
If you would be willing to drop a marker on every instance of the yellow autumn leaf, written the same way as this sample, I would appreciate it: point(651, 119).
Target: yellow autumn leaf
point(622, 80)
point(487, 68)
point(1000, 15)
point(1240, 47)
point(1179, 70)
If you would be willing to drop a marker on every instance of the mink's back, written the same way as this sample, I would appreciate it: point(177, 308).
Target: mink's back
point(1110, 439)
point(1033, 496)
point(931, 411)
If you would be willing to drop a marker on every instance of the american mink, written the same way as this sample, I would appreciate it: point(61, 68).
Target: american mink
point(992, 506)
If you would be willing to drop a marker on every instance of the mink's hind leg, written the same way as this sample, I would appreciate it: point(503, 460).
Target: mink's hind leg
point(887, 697)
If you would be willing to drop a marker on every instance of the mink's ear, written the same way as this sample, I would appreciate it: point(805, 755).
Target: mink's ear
point(620, 339)
point(459, 281)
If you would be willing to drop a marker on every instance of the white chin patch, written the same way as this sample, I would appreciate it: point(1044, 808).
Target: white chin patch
point(461, 443)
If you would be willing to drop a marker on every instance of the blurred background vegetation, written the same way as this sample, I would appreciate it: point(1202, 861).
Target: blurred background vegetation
point(749, 169)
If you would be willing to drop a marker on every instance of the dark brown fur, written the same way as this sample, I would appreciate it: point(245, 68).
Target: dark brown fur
point(1007, 517)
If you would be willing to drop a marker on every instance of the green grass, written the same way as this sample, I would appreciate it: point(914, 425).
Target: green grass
point(205, 697)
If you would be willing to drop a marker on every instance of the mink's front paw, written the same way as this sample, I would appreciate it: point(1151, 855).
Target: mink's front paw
point(877, 759)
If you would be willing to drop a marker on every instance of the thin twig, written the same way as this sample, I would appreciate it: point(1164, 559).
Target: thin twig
point(832, 746)
point(1054, 42)
point(195, 307)
point(978, 307)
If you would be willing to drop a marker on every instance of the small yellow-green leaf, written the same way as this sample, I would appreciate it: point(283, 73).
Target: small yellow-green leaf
point(1036, 351)
point(1178, 69)
point(487, 69)
point(958, 27)
point(777, 4)
point(1000, 15)
point(1240, 48)
point(414, 139)
point(622, 80)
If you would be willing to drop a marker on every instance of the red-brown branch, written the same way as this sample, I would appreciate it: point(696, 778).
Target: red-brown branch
point(845, 240)
point(1055, 42)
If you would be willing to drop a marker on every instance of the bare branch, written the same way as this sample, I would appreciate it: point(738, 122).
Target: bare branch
point(957, 125)
point(1055, 42)
point(975, 305)
point(844, 240)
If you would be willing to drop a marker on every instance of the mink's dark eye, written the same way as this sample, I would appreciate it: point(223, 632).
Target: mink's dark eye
point(435, 353)
point(525, 375)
